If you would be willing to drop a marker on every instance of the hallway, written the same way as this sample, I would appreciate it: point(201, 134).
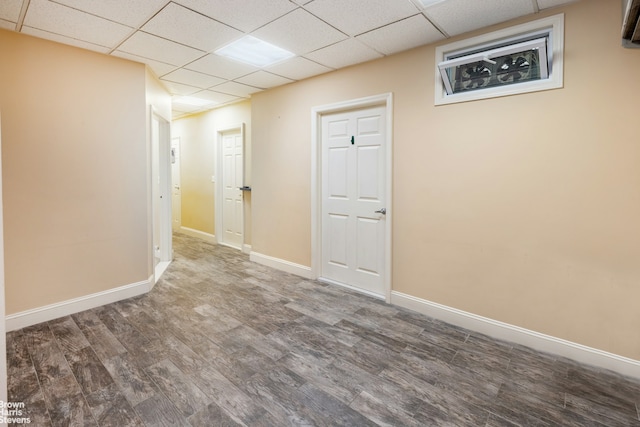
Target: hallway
point(222, 341)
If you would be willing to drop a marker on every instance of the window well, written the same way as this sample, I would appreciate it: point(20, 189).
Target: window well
point(520, 59)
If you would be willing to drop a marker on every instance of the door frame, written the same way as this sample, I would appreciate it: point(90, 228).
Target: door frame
point(161, 161)
point(219, 194)
point(384, 100)
point(3, 328)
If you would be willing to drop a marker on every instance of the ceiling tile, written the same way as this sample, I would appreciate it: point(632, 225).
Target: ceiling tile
point(355, 17)
point(216, 97)
point(460, 16)
point(193, 78)
point(263, 79)
point(222, 67)
point(127, 12)
point(343, 54)
point(184, 108)
point(402, 35)
point(545, 4)
point(6, 25)
point(245, 15)
point(299, 32)
point(184, 26)
point(237, 89)
point(298, 68)
point(64, 40)
point(10, 10)
point(159, 49)
point(158, 68)
point(54, 18)
point(179, 88)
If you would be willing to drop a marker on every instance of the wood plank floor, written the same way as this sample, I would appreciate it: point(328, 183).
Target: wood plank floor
point(221, 341)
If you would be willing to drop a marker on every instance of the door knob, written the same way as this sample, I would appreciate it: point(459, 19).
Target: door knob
point(382, 211)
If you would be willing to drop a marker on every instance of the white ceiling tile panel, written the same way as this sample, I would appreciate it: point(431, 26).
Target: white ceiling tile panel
point(184, 108)
point(302, 2)
point(355, 17)
point(159, 49)
point(65, 21)
point(222, 67)
point(343, 54)
point(184, 26)
point(216, 97)
point(193, 78)
point(64, 40)
point(245, 15)
point(545, 4)
point(299, 32)
point(237, 89)
point(179, 88)
point(263, 79)
point(7, 25)
point(158, 68)
point(127, 12)
point(460, 16)
point(402, 35)
point(10, 10)
point(298, 68)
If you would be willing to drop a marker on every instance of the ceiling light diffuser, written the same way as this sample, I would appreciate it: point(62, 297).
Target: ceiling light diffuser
point(254, 51)
point(426, 3)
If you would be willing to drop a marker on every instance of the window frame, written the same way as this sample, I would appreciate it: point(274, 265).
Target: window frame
point(503, 41)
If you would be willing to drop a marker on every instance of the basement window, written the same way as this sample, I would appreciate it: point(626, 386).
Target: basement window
point(520, 59)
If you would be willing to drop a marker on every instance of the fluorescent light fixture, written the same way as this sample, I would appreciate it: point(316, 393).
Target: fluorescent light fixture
point(426, 3)
point(191, 100)
point(253, 51)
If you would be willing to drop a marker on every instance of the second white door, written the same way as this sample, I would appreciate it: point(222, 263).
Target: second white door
point(354, 199)
point(232, 180)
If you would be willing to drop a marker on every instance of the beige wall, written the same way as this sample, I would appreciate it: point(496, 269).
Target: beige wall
point(523, 209)
point(198, 135)
point(74, 170)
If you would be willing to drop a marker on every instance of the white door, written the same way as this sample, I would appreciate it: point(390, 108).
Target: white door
point(353, 198)
point(176, 195)
point(232, 180)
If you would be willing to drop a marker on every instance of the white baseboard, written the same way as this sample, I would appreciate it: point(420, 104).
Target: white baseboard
point(518, 335)
point(282, 265)
point(161, 267)
point(199, 234)
point(53, 311)
point(246, 249)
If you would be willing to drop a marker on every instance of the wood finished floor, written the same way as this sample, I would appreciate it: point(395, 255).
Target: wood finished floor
point(221, 341)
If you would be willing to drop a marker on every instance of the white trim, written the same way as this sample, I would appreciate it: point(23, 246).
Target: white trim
point(199, 234)
point(281, 264)
point(64, 308)
point(3, 328)
point(518, 335)
point(555, 51)
point(246, 248)
point(386, 100)
point(161, 267)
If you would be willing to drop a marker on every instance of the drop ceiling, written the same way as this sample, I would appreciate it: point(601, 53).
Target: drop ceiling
point(176, 39)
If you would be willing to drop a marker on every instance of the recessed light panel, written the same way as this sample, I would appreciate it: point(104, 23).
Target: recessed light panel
point(254, 51)
point(426, 3)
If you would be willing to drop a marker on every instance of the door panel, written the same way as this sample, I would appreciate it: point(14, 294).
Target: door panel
point(353, 188)
point(232, 177)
